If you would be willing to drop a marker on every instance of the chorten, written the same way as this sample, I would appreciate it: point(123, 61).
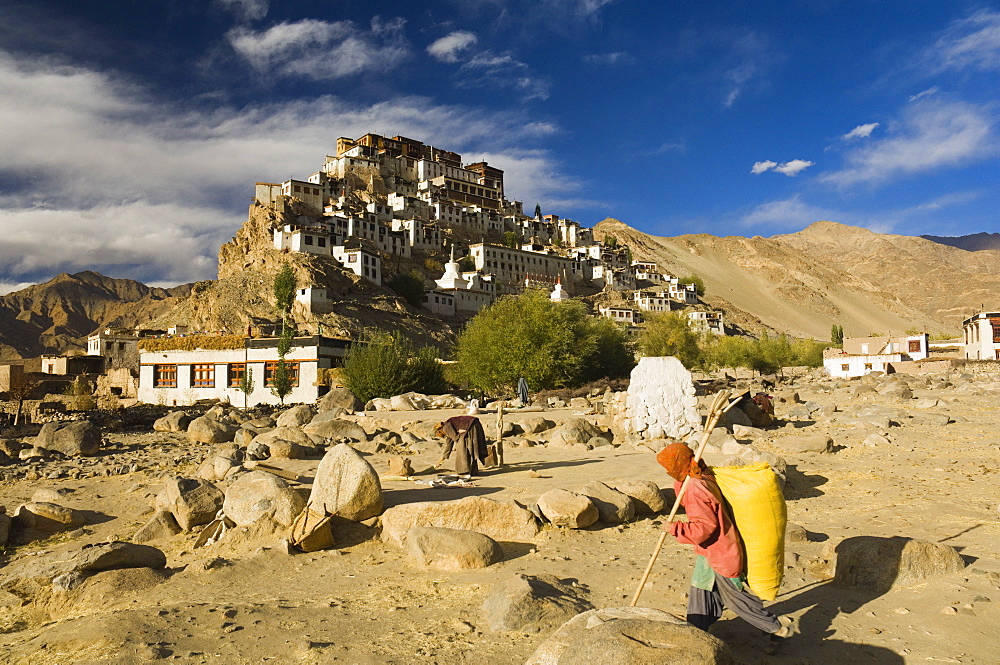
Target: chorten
point(452, 278)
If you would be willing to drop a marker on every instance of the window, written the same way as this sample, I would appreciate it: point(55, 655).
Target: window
point(845, 368)
point(297, 188)
point(164, 376)
point(203, 376)
point(236, 372)
point(868, 365)
point(269, 368)
point(309, 240)
point(914, 346)
point(322, 242)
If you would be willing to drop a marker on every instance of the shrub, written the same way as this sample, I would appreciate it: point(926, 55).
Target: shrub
point(386, 364)
point(670, 334)
point(699, 283)
point(409, 286)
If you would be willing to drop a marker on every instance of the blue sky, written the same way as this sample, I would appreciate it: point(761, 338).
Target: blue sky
point(131, 132)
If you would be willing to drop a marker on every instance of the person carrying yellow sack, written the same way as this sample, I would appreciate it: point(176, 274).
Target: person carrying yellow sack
point(719, 579)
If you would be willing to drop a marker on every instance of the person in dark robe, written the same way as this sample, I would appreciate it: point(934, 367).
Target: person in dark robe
point(464, 436)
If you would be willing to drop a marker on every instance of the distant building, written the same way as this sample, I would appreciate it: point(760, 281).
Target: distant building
point(118, 346)
point(708, 321)
point(864, 355)
point(982, 336)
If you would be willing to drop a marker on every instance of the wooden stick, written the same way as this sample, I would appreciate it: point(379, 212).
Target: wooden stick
point(710, 422)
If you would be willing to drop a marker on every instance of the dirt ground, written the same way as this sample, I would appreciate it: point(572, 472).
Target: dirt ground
point(365, 602)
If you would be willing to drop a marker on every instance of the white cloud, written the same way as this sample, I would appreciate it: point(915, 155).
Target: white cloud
point(971, 43)
point(448, 47)
point(924, 93)
point(860, 132)
point(135, 187)
point(792, 212)
point(250, 10)
point(791, 168)
point(489, 70)
point(9, 287)
point(932, 135)
point(753, 59)
point(609, 59)
point(320, 49)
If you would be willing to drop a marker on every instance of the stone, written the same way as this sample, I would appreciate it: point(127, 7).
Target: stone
point(574, 431)
point(336, 430)
point(339, 397)
point(795, 533)
point(750, 455)
point(160, 526)
point(175, 421)
point(215, 467)
point(244, 436)
point(876, 440)
point(744, 432)
point(260, 447)
point(804, 443)
point(295, 416)
point(346, 485)
point(48, 495)
point(208, 430)
point(661, 400)
point(192, 501)
point(5, 528)
point(645, 495)
point(11, 447)
point(451, 549)
point(879, 564)
point(73, 439)
point(930, 419)
point(37, 521)
point(500, 520)
point(333, 414)
point(400, 466)
point(757, 416)
point(260, 493)
point(613, 506)
point(536, 424)
point(899, 391)
point(564, 508)
point(282, 449)
point(530, 603)
point(115, 555)
point(580, 403)
point(734, 416)
point(632, 635)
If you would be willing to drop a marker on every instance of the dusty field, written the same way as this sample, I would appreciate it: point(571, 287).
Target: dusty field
point(364, 602)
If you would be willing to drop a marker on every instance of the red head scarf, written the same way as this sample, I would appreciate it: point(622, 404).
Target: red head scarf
point(679, 462)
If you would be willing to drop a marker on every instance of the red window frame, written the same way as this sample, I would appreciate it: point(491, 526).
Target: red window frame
point(203, 375)
point(164, 376)
point(270, 366)
point(236, 372)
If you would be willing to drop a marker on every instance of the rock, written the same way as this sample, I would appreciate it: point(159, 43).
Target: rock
point(805, 443)
point(282, 449)
point(879, 564)
point(73, 439)
point(564, 508)
point(11, 447)
point(750, 455)
point(536, 424)
point(48, 495)
point(795, 533)
point(192, 501)
point(744, 432)
point(581, 403)
point(261, 446)
point(244, 436)
point(332, 414)
point(260, 493)
point(613, 506)
point(661, 400)
point(5, 528)
point(207, 430)
point(898, 391)
point(400, 466)
point(530, 603)
point(37, 521)
point(876, 440)
point(160, 526)
point(339, 398)
point(115, 555)
point(574, 431)
point(295, 416)
point(451, 549)
point(930, 419)
point(501, 521)
point(336, 430)
point(735, 416)
point(645, 495)
point(402, 403)
point(215, 468)
point(632, 635)
point(926, 403)
point(346, 485)
point(175, 421)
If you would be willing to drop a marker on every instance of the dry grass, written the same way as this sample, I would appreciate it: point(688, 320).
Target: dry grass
point(192, 343)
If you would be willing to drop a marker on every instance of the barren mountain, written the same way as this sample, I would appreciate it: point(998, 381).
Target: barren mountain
point(57, 316)
point(802, 283)
point(975, 242)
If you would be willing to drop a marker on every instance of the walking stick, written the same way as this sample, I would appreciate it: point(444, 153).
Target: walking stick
point(711, 420)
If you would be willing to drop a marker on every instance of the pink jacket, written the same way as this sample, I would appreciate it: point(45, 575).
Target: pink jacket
point(709, 527)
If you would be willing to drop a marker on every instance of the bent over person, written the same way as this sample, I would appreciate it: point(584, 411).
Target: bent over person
point(464, 435)
point(719, 579)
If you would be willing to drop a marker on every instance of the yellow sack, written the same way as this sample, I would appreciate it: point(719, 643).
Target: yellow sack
point(758, 508)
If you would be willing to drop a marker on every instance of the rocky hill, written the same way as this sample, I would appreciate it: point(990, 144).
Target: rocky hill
point(975, 242)
point(57, 316)
point(802, 283)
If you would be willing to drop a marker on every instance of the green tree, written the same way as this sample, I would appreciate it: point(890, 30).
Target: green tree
point(385, 364)
point(285, 339)
point(466, 264)
point(511, 239)
point(246, 384)
point(610, 241)
point(837, 334)
point(552, 345)
point(281, 381)
point(409, 286)
point(669, 334)
point(284, 289)
point(699, 283)
point(538, 211)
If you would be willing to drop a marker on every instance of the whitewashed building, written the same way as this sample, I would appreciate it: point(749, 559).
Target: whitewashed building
point(982, 336)
point(707, 321)
point(864, 355)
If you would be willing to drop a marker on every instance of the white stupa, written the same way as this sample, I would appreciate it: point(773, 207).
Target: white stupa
point(559, 293)
point(452, 278)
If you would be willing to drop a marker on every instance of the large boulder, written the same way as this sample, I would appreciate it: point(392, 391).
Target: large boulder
point(192, 501)
point(645, 494)
point(530, 603)
point(613, 506)
point(38, 520)
point(341, 398)
point(632, 635)
point(175, 421)
point(114, 555)
point(451, 549)
point(574, 431)
point(894, 390)
point(879, 564)
point(5, 527)
point(564, 508)
point(260, 493)
point(346, 485)
point(336, 430)
point(536, 424)
point(804, 443)
point(209, 430)
point(501, 521)
point(295, 416)
point(277, 443)
point(73, 439)
point(160, 526)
